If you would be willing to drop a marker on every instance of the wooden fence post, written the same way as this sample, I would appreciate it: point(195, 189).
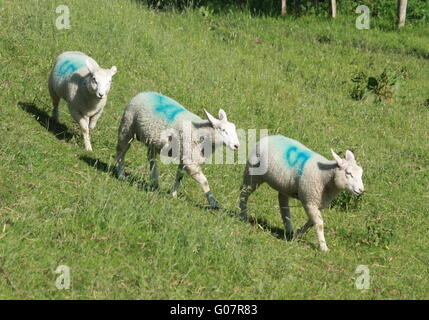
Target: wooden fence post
point(333, 8)
point(283, 7)
point(402, 12)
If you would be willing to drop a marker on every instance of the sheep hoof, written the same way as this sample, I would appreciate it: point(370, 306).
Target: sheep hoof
point(154, 187)
point(324, 248)
point(298, 234)
point(244, 217)
point(214, 206)
point(212, 201)
point(289, 235)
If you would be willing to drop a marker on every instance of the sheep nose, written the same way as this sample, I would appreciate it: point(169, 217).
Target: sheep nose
point(236, 146)
point(361, 190)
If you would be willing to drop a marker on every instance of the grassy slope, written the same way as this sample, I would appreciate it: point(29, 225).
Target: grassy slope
point(58, 205)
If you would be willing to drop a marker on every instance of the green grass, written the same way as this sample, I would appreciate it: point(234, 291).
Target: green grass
point(61, 205)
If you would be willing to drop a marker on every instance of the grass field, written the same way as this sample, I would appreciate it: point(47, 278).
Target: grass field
point(60, 205)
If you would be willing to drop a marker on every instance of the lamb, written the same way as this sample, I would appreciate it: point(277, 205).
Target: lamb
point(295, 171)
point(165, 126)
point(78, 79)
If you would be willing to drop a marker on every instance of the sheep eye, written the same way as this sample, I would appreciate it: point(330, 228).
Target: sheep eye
point(349, 174)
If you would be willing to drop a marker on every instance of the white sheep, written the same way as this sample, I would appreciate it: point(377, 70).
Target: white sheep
point(163, 124)
point(78, 79)
point(295, 171)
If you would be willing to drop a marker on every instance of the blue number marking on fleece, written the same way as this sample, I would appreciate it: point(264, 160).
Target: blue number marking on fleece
point(168, 108)
point(69, 66)
point(294, 156)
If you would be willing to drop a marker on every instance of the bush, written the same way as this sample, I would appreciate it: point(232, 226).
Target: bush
point(346, 201)
point(379, 231)
point(382, 87)
point(384, 11)
point(270, 7)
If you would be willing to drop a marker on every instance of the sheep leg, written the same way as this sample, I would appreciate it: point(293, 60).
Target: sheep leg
point(250, 184)
point(285, 213)
point(246, 191)
point(93, 120)
point(179, 176)
point(304, 228)
point(124, 143)
point(195, 172)
point(84, 125)
point(314, 214)
point(151, 154)
point(55, 103)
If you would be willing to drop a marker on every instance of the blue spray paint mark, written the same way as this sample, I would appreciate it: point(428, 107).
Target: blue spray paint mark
point(168, 108)
point(295, 157)
point(69, 66)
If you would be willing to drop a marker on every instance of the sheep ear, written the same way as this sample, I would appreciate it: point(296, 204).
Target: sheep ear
point(337, 158)
point(113, 70)
point(90, 66)
point(222, 115)
point(215, 122)
point(350, 156)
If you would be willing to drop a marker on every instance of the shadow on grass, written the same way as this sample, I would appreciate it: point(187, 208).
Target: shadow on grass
point(129, 178)
point(279, 233)
point(60, 131)
point(145, 186)
point(262, 223)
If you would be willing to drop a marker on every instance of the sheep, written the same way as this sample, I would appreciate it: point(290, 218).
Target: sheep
point(295, 171)
point(78, 79)
point(164, 125)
